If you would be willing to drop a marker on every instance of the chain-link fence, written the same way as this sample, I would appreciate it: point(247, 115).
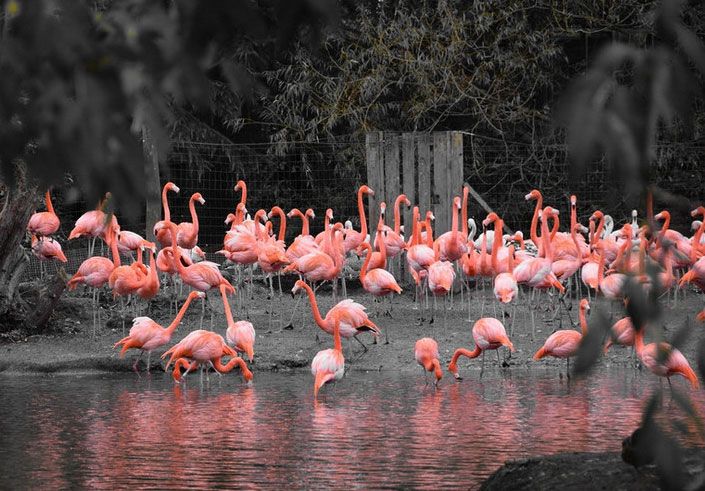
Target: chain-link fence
point(326, 175)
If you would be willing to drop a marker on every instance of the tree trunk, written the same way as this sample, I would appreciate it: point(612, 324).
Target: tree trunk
point(153, 186)
point(47, 299)
point(19, 204)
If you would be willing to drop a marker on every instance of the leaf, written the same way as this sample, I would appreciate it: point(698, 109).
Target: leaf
point(590, 348)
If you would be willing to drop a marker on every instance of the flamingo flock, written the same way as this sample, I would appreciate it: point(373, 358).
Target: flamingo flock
point(596, 259)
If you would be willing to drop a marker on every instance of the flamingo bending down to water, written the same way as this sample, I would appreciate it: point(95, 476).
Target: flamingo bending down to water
point(565, 342)
point(44, 223)
point(664, 360)
point(426, 354)
point(623, 333)
point(187, 232)
point(329, 365)
point(241, 334)
point(203, 347)
point(488, 333)
point(147, 335)
point(352, 316)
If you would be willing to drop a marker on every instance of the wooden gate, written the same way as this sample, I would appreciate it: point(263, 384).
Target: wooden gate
point(427, 167)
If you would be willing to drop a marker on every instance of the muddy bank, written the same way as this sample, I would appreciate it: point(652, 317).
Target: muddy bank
point(584, 471)
point(72, 346)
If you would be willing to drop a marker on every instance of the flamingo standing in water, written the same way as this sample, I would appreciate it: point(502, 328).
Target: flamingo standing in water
point(664, 360)
point(352, 316)
point(147, 335)
point(565, 342)
point(426, 354)
point(204, 347)
point(161, 229)
point(329, 365)
point(241, 334)
point(44, 223)
point(488, 333)
point(187, 232)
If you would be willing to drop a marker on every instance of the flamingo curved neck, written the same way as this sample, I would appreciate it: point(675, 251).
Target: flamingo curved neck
point(180, 315)
point(556, 225)
point(464, 212)
point(583, 322)
point(226, 306)
point(194, 216)
point(314, 307)
point(337, 344)
point(110, 233)
point(366, 263)
point(415, 234)
point(305, 226)
point(282, 222)
point(361, 211)
point(165, 205)
point(243, 197)
point(578, 255)
point(545, 236)
point(496, 243)
point(535, 221)
point(397, 213)
point(50, 206)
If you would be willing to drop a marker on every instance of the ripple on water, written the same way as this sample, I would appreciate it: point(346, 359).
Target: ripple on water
point(371, 430)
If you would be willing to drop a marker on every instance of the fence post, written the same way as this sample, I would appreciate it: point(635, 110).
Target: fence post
point(440, 182)
point(424, 166)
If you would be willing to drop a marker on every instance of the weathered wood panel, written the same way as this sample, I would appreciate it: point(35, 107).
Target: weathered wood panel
point(440, 183)
point(375, 169)
point(424, 173)
point(408, 150)
point(391, 171)
point(456, 166)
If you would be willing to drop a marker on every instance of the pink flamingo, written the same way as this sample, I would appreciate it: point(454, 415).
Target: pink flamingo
point(304, 243)
point(241, 334)
point(147, 335)
point(565, 342)
point(452, 245)
point(44, 223)
point(418, 256)
point(378, 282)
point(329, 365)
point(161, 230)
point(505, 285)
point(488, 333)
point(393, 240)
point(318, 265)
point(129, 241)
point(611, 285)
point(681, 245)
point(353, 238)
point(187, 232)
point(94, 224)
point(46, 248)
point(567, 267)
point(664, 360)
point(426, 355)
point(623, 333)
point(352, 316)
point(204, 347)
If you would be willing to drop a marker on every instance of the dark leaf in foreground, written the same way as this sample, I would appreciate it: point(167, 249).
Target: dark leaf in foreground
point(591, 345)
point(639, 309)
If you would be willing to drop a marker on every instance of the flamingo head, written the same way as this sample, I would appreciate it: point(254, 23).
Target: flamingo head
point(550, 212)
point(534, 194)
point(382, 208)
point(491, 218)
point(240, 186)
point(365, 246)
point(365, 189)
point(573, 201)
point(293, 212)
point(261, 214)
point(585, 305)
point(348, 225)
point(405, 200)
point(635, 214)
point(700, 210)
point(664, 215)
point(230, 218)
point(597, 215)
point(196, 294)
point(627, 231)
point(198, 197)
point(170, 186)
point(310, 213)
point(696, 224)
point(329, 214)
point(297, 287)
point(429, 214)
point(457, 203)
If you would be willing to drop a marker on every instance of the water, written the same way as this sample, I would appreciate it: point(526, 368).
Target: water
point(371, 430)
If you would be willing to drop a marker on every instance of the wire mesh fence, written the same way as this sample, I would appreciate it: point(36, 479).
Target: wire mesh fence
point(324, 175)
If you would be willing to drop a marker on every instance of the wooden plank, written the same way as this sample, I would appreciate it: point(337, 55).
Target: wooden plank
point(456, 166)
point(440, 183)
point(391, 172)
point(424, 166)
point(374, 166)
point(408, 153)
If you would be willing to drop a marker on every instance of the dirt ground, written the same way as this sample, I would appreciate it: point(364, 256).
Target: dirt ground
point(72, 347)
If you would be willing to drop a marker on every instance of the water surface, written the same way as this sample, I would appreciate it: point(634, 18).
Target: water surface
point(371, 430)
